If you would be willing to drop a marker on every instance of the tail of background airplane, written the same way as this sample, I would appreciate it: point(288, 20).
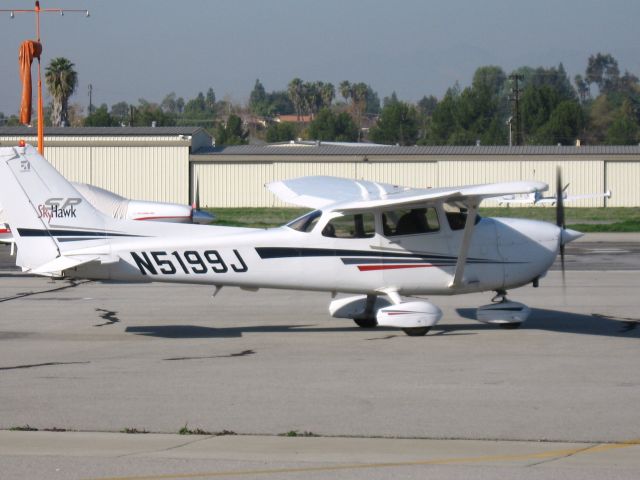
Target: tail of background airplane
point(49, 219)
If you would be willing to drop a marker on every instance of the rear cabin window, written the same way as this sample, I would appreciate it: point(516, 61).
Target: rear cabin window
point(361, 225)
point(410, 221)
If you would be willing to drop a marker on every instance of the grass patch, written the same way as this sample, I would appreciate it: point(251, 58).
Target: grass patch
point(23, 428)
point(133, 430)
point(255, 217)
point(296, 433)
point(192, 431)
point(611, 219)
point(198, 431)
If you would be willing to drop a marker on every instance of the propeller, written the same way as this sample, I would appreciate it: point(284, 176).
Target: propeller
point(560, 220)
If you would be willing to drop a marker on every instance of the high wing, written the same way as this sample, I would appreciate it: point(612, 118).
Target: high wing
point(344, 195)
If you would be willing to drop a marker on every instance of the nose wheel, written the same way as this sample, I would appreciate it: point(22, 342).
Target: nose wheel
point(503, 312)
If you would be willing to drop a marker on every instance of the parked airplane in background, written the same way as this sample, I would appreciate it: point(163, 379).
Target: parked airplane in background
point(536, 198)
point(381, 243)
point(118, 207)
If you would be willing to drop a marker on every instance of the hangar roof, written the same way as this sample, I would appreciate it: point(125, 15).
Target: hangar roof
point(100, 131)
point(315, 149)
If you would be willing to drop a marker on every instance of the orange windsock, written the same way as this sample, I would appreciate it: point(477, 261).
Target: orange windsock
point(29, 50)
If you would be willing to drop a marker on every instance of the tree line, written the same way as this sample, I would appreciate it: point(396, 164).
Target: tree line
point(532, 106)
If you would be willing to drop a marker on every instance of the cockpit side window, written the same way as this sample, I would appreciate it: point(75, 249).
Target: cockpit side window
point(410, 221)
point(306, 222)
point(457, 215)
point(360, 225)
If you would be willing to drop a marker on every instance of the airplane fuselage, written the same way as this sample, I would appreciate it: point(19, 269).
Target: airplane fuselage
point(504, 253)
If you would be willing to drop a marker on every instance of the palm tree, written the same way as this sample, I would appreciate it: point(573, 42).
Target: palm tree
point(61, 80)
point(328, 93)
point(295, 89)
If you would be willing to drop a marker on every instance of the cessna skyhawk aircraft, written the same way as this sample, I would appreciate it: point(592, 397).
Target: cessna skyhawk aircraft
point(381, 243)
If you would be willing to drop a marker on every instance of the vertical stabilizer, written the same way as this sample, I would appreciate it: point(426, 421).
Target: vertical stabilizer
point(46, 213)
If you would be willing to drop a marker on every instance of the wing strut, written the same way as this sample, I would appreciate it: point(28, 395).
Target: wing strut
point(469, 227)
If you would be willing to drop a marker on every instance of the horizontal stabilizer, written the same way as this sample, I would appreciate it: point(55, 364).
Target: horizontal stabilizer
point(63, 263)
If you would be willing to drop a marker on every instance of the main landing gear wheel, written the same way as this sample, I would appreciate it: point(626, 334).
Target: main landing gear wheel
point(366, 322)
point(416, 331)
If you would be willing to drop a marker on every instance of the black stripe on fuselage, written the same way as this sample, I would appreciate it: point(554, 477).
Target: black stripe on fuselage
point(292, 252)
point(96, 234)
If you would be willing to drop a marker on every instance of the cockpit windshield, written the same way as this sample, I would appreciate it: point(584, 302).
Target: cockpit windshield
point(306, 222)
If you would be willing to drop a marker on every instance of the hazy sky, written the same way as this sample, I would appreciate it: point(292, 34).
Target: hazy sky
point(147, 48)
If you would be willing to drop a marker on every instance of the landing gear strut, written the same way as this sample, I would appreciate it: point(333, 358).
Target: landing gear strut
point(368, 317)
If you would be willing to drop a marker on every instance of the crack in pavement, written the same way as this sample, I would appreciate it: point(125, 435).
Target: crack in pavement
point(47, 364)
point(167, 449)
point(561, 457)
point(239, 354)
point(71, 284)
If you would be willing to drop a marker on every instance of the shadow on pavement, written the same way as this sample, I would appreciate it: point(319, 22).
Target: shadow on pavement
point(563, 322)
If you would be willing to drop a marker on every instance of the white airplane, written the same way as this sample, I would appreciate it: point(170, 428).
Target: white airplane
point(119, 207)
point(381, 243)
point(537, 198)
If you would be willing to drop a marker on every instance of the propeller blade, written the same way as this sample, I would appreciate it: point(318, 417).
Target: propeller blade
point(560, 220)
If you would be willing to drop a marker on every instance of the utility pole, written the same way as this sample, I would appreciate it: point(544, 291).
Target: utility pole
point(90, 99)
point(515, 98)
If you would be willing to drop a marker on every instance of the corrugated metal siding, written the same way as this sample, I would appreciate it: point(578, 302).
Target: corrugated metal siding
point(149, 173)
point(234, 185)
point(158, 173)
point(74, 163)
point(399, 173)
point(240, 184)
point(582, 177)
point(623, 179)
point(161, 172)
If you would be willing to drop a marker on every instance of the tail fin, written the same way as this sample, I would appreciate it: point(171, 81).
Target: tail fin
point(46, 213)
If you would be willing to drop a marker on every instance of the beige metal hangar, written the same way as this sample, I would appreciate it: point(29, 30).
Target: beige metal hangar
point(147, 163)
point(234, 176)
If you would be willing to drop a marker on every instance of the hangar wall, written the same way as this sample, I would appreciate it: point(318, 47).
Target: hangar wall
point(146, 167)
point(160, 163)
point(239, 181)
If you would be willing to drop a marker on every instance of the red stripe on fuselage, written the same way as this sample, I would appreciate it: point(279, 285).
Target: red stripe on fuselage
point(367, 268)
point(160, 218)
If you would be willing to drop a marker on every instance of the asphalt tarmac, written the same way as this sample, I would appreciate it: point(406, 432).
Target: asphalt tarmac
point(557, 398)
